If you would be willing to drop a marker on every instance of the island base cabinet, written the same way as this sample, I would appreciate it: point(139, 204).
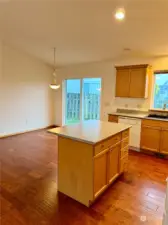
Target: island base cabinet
point(75, 170)
point(100, 172)
point(113, 164)
point(124, 164)
point(106, 168)
point(86, 170)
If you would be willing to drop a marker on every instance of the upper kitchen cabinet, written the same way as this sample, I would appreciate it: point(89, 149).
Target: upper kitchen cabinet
point(138, 83)
point(133, 81)
point(122, 82)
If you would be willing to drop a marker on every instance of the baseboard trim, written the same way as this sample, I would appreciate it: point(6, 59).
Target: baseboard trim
point(27, 131)
point(134, 149)
point(147, 152)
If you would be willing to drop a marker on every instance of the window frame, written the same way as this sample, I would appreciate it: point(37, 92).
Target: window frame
point(153, 89)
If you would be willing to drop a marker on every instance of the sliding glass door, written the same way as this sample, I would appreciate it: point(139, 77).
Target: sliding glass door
point(82, 99)
point(91, 98)
point(72, 101)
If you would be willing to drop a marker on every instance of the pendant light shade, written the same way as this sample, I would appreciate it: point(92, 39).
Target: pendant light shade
point(54, 85)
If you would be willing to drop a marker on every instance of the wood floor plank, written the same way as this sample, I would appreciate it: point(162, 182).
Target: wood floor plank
point(5, 205)
point(29, 196)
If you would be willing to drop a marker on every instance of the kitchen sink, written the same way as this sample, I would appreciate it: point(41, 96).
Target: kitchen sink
point(157, 116)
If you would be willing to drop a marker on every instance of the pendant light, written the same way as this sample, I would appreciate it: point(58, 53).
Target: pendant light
point(54, 85)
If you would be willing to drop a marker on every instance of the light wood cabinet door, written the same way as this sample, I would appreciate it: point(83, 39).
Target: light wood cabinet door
point(100, 172)
point(122, 82)
point(113, 157)
point(164, 142)
point(150, 138)
point(113, 118)
point(124, 164)
point(137, 83)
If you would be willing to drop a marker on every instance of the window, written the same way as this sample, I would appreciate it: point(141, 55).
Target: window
point(160, 90)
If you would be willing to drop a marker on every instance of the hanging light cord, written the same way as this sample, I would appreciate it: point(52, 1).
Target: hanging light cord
point(54, 85)
point(54, 74)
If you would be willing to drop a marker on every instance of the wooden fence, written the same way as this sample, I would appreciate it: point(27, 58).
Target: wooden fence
point(91, 106)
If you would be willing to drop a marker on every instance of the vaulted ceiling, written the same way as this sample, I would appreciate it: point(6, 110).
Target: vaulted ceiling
point(85, 30)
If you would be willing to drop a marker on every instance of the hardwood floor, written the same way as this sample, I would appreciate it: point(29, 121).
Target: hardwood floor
point(28, 188)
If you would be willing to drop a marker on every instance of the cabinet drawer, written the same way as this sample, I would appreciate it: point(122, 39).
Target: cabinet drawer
point(125, 142)
point(151, 123)
point(124, 152)
point(107, 143)
point(100, 147)
point(115, 139)
point(164, 124)
point(113, 118)
point(124, 164)
point(125, 134)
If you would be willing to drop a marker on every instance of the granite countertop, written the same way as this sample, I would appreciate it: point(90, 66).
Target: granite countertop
point(90, 132)
point(138, 116)
point(133, 115)
point(160, 119)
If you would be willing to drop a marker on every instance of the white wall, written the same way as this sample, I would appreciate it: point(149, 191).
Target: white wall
point(26, 102)
point(105, 70)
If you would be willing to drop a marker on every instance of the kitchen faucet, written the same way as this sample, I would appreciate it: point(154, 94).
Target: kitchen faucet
point(164, 106)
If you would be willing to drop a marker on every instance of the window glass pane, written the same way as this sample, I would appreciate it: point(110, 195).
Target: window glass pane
point(72, 101)
point(161, 91)
point(91, 98)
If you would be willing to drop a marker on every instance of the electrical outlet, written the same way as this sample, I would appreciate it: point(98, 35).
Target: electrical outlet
point(107, 104)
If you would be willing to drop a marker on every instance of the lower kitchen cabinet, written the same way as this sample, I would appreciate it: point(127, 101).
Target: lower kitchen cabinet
point(86, 167)
point(110, 162)
point(147, 134)
point(100, 172)
point(164, 142)
point(113, 118)
point(113, 169)
point(106, 168)
point(150, 138)
point(124, 164)
point(154, 136)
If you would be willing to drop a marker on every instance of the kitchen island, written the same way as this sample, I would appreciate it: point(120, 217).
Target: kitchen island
point(91, 155)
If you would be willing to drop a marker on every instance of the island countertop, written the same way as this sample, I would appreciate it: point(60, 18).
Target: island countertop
point(91, 132)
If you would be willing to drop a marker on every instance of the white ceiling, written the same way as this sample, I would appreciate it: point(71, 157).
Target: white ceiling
point(85, 30)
